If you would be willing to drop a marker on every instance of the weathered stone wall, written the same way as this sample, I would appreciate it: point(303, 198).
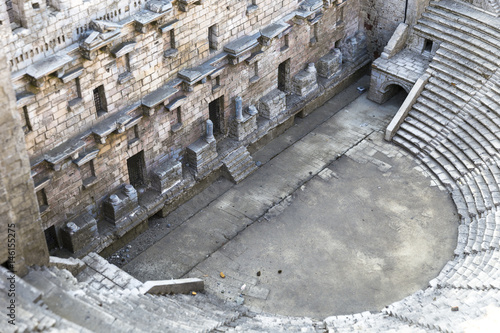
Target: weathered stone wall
point(21, 236)
point(381, 18)
point(146, 80)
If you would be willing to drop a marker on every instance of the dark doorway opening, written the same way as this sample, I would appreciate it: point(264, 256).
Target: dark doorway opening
point(51, 238)
point(215, 109)
point(395, 95)
point(136, 166)
point(427, 46)
point(284, 75)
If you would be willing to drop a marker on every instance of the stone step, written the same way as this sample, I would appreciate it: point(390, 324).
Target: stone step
point(476, 271)
point(419, 129)
point(407, 145)
point(458, 42)
point(467, 12)
point(451, 88)
point(491, 183)
point(467, 89)
point(447, 69)
point(65, 305)
point(427, 120)
point(430, 106)
point(449, 97)
point(272, 323)
point(409, 137)
point(95, 309)
point(371, 322)
point(426, 110)
point(471, 145)
point(208, 303)
point(471, 303)
point(239, 164)
point(485, 147)
point(447, 162)
point(474, 29)
point(435, 97)
point(438, 171)
point(463, 56)
point(102, 274)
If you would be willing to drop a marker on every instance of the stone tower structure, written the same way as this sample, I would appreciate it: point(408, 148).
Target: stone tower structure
point(20, 226)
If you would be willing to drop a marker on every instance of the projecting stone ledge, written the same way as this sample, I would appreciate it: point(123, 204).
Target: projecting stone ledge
point(272, 31)
point(241, 49)
point(195, 74)
point(169, 287)
point(47, 66)
point(158, 96)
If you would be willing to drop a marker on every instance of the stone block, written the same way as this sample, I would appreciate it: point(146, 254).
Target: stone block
point(272, 104)
point(305, 81)
point(200, 154)
point(79, 232)
point(120, 204)
point(240, 129)
point(167, 175)
point(168, 287)
point(330, 64)
point(355, 47)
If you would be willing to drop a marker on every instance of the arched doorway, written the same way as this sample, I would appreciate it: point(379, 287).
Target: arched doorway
point(395, 95)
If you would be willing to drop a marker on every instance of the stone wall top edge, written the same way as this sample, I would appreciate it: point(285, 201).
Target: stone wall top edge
point(49, 31)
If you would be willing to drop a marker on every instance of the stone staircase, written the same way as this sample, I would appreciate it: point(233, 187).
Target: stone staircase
point(239, 164)
point(103, 298)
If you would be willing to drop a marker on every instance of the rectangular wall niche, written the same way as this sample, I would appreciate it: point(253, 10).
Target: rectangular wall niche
point(100, 101)
point(284, 76)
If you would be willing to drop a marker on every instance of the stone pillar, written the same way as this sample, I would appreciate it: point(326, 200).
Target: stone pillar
point(210, 131)
point(242, 125)
point(238, 101)
point(18, 203)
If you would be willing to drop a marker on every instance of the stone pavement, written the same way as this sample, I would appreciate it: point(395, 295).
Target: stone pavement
point(385, 236)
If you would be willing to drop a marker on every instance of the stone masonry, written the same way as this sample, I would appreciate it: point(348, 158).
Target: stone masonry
point(110, 92)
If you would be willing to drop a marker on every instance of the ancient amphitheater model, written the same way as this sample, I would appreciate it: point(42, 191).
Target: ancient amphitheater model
point(114, 111)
